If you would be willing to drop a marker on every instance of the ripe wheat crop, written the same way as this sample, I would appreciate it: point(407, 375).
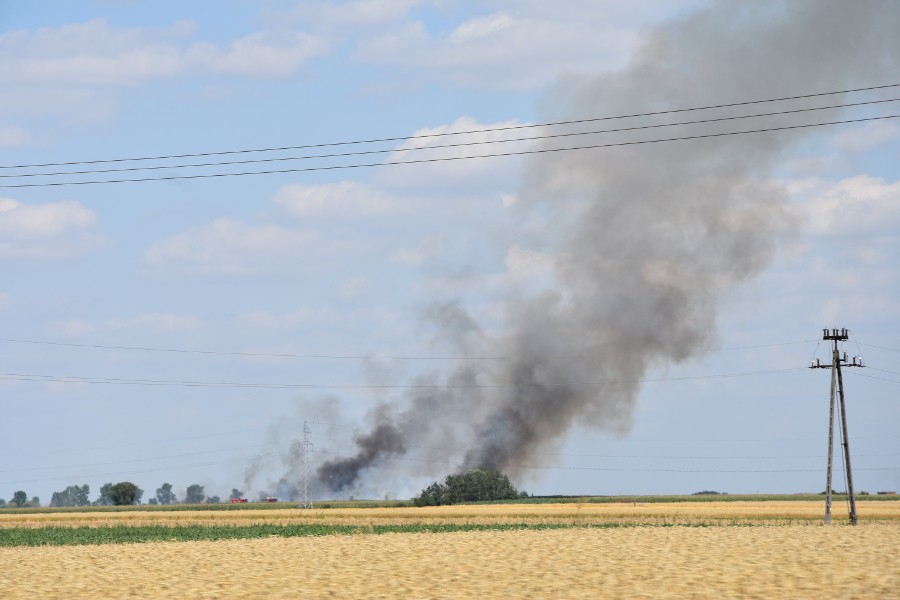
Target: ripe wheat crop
point(574, 550)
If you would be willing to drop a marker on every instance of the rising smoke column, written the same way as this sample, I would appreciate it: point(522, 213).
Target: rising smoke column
point(643, 239)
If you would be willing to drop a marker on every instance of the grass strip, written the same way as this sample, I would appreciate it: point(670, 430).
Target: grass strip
point(123, 534)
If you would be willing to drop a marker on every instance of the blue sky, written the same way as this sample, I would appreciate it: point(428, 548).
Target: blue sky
point(218, 279)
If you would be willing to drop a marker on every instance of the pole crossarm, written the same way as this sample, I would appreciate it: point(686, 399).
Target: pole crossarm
point(837, 335)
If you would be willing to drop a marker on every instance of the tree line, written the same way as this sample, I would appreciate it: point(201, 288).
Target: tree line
point(123, 493)
point(20, 500)
point(477, 485)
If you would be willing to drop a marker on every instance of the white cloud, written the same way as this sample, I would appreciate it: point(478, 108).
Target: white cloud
point(346, 15)
point(852, 273)
point(51, 230)
point(13, 135)
point(480, 28)
point(232, 247)
point(98, 54)
point(866, 136)
point(504, 50)
point(475, 133)
point(73, 327)
point(89, 54)
point(428, 250)
point(31, 221)
point(835, 310)
point(346, 199)
point(468, 137)
point(75, 70)
point(261, 321)
point(854, 206)
point(158, 322)
point(508, 199)
point(148, 322)
point(272, 53)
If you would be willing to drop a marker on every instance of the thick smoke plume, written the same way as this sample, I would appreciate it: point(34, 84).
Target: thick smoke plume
point(642, 240)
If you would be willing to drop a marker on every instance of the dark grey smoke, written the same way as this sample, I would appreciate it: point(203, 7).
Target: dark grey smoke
point(643, 240)
point(385, 440)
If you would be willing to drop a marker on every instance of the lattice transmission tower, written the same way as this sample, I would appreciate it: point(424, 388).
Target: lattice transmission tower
point(305, 465)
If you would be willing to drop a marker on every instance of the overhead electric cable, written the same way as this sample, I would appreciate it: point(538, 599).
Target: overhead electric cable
point(239, 460)
point(312, 386)
point(464, 451)
point(448, 158)
point(883, 370)
point(426, 136)
point(323, 355)
point(858, 374)
point(127, 461)
point(630, 470)
point(415, 447)
point(441, 146)
point(162, 440)
point(879, 347)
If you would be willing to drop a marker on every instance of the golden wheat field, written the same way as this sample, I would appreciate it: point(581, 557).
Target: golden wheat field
point(745, 550)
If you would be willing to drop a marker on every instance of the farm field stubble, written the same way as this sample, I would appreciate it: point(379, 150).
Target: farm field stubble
point(571, 513)
point(798, 558)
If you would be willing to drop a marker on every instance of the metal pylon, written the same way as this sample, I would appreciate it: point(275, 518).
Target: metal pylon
point(304, 466)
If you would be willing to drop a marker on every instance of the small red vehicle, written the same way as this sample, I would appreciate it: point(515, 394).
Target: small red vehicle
point(238, 500)
point(271, 499)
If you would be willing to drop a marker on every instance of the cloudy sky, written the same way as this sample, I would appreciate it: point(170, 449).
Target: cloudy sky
point(182, 329)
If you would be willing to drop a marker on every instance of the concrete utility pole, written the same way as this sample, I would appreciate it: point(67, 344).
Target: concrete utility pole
point(837, 383)
point(305, 460)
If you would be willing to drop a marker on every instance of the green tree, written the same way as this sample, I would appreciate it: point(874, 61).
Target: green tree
point(213, 500)
point(473, 486)
point(194, 494)
point(479, 485)
point(2, 502)
point(104, 499)
point(72, 496)
point(19, 499)
point(35, 502)
point(433, 495)
point(125, 493)
point(165, 495)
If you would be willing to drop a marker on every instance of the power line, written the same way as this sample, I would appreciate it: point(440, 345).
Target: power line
point(628, 470)
point(155, 469)
point(120, 462)
point(161, 440)
point(469, 132)
point(875, 377)
point(624, 456)
point(330, 426)
point(311, 386)
point(448, 158)
point(443, 146)
point(879, 347)
point(453, 450)
point(296, 453)
point(883, 370)
point(322, 356)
